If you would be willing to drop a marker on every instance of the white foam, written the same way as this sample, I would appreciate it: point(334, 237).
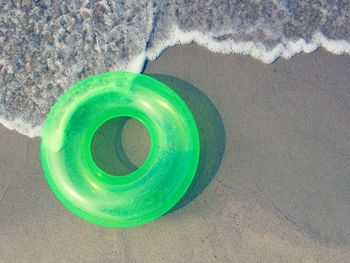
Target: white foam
point(22, 127)
point(136, 64)
point(285, 49)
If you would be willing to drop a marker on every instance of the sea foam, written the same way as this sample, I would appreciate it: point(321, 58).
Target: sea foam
point(46, 47)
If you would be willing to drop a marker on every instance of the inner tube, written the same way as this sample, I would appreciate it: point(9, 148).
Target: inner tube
point(146, 193)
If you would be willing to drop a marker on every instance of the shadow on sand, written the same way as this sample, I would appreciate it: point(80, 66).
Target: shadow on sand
point(111, 156)
point(211, 133)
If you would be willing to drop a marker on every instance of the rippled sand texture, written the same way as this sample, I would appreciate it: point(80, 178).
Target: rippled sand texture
point(47, 46)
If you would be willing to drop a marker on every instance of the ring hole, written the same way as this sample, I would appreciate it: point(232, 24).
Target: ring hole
point(120, 146)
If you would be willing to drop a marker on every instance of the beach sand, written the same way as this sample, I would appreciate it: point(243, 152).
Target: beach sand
point(273, 183)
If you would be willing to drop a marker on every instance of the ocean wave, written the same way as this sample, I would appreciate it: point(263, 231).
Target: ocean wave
point(47, 46)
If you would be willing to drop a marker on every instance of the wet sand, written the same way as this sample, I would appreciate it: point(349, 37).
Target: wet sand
point(273, 183)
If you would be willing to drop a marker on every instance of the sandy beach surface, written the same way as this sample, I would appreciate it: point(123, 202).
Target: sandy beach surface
point(273, 183)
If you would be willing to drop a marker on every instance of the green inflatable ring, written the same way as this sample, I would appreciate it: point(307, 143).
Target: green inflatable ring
point(152, 189)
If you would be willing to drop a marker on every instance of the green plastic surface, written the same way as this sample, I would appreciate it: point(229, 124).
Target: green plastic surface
point(152, 189)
